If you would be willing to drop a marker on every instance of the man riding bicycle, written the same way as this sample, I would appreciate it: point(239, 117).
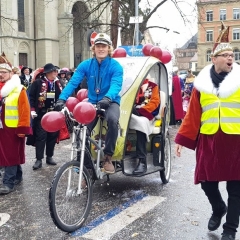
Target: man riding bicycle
point(104, 78)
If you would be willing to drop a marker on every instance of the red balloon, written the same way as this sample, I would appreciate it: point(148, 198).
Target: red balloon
point(156, 52)
point(71, 103)
point(85, 100)
point(166, 57)
point(119, 52)
point(82, 94)
point(53, 121)
point(84, 112)
point(146, 49)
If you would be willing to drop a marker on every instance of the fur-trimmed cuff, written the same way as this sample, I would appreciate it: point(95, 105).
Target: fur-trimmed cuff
point(186, 142)
point(145, 113)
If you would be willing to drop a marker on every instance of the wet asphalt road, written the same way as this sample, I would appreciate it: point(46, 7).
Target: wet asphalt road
point(183, 213)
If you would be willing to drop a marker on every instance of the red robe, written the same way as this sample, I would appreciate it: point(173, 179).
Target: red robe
point(217, 155)
point(12, 147)
point(177, 98)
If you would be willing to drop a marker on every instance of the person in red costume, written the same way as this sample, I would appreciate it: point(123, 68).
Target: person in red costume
point(44, 92)
point(147, 105)
point(14, 125)
point(212, 127)
point(177, 96)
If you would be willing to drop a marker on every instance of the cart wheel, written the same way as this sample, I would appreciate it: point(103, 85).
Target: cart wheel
point(165, 174)
point(68, 209)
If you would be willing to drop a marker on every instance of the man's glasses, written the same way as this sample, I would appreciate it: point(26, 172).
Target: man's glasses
point(226, 55)
point(3, 72)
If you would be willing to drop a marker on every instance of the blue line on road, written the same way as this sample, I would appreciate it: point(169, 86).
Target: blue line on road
point(107, 216)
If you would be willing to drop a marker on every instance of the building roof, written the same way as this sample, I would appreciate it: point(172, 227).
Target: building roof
point(191, 43)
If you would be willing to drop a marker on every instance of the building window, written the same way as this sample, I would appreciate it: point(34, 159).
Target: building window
point(190, 65)
point(189, 54)
point(23, 59)
point(222, 14)
point(236, 13)
point(209, 36)
point(21, 22)
point(236, 33)
point(209, 16)
point(209, 55)
point(236, 52)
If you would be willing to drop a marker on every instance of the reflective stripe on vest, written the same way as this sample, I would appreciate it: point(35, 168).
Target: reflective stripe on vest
point(220, 112)
point(11, 107)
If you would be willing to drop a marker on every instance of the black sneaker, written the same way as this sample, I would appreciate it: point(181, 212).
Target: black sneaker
point(5, 189)
point(227, 236)
point(215, 221)
point(49, 161)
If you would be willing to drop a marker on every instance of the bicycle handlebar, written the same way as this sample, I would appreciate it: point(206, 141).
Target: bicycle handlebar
point(66, 111)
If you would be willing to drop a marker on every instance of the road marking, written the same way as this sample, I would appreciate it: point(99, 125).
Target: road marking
point(4, 217)
point(118, 218)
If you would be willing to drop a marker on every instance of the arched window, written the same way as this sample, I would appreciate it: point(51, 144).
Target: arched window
point(21, 22)
point(236, 52)
point(209, 55)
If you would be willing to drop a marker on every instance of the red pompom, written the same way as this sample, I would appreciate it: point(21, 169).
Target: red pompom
point(71, 103)
point(84, 112)
point(53, 121)
point(82, 94)
point(119, 52)
point(166, 57)
point(146, 49)
point(156, 52)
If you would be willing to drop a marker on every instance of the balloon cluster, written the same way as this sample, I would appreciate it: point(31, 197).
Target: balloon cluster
point(83, 111)
point(155, 51)
point(148, 50)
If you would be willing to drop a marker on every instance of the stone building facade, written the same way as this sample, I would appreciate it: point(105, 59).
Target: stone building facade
point(36, 32)
point(211, 13)
point(184, 54)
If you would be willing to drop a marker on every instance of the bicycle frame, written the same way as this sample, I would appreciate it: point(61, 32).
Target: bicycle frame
point(79, 138)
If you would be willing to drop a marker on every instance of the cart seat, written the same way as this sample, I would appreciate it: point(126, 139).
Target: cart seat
point(147, 126)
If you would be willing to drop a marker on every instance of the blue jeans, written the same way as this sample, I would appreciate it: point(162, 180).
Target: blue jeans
point(11, 174)
point(112, 115)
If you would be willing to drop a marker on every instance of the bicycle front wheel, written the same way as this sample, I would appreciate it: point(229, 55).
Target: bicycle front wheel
point(69, 209)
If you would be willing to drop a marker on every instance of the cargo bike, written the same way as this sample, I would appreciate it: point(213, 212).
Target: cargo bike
point(71, 191)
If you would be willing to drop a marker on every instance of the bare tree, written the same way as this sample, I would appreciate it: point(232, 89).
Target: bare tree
point(122, 10)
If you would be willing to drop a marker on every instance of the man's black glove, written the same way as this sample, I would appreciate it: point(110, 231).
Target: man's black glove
point(104, 103)
point(59, 105)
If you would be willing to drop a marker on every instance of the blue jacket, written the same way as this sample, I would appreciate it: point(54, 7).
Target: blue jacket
point(106, 78)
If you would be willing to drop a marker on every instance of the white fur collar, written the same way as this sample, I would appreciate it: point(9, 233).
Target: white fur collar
point(231, 83)
point(10, 85)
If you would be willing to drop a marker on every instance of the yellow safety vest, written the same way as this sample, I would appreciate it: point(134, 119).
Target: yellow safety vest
point(220, 112)
point(11, 108)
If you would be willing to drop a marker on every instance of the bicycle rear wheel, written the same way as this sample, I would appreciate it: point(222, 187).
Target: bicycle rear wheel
point(68, 209)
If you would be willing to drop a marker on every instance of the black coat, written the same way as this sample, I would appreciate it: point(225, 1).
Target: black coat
point(26, 83)
point(35, 91)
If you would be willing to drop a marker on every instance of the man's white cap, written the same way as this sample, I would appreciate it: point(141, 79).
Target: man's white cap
point(102, 38)
point(175, 69)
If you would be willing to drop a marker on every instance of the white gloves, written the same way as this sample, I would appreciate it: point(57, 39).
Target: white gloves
point(33, 114)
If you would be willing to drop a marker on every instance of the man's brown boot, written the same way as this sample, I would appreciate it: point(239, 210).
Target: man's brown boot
point(107, 165)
